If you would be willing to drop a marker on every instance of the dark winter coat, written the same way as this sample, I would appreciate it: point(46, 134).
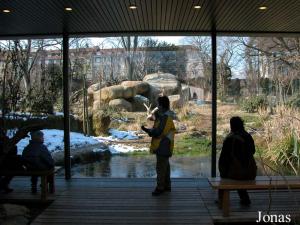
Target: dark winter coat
point(37, 157)
point(162, 133)
point(236, 160)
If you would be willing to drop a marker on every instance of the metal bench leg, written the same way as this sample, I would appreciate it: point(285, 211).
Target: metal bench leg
point(226, 203)
point(44, 188)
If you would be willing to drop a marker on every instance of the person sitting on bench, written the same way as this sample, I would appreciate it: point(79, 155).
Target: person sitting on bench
point(236, 160)
point(10, 162)
point(37, 157)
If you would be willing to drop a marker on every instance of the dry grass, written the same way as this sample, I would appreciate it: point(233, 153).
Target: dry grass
point(133, 121)
point(280, 137)
point(274, 134)
point(195, 117)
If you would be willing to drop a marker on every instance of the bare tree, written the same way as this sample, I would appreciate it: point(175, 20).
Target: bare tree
point(277, 59)
point(130, 44)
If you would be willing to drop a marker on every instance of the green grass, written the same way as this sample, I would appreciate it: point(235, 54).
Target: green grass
point(189, 145)
point(136, 153)
point(186, 145)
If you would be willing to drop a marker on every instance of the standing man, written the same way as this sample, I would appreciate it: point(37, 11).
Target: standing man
point(37, 157)
point(162, 144)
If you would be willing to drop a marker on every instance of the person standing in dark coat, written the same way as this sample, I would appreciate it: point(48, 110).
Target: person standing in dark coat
point(37, 157)
point(162, 144)
point(236, 160)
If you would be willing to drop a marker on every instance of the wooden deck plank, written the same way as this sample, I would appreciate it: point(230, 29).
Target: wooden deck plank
point(129, 201)
point(282, 202)
point(126, 201)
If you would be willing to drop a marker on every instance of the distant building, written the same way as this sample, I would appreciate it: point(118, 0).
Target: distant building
point(181, 61)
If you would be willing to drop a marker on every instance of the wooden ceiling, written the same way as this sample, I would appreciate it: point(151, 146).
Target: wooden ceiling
point(152, 17)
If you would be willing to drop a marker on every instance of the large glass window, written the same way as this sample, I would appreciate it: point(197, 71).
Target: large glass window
point(31, 91)
point(110, 96)
point(258, 80)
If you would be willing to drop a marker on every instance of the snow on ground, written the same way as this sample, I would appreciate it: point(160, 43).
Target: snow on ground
point(54, 141)
point(23, 116)
point(115, 149)
point(26, 115)
point(118, 135)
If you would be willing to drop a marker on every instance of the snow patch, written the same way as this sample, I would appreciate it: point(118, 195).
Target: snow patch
point(123, 135)
point(53, 139)
point(116, 149)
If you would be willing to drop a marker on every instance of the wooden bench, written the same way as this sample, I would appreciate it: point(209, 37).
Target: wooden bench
point(224, 186)
point(43, 174)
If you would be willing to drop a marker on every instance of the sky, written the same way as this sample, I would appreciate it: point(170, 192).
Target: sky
point(176, 40)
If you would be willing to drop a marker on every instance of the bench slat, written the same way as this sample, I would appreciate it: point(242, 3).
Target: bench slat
point(29, 172)
point(224, 187)
point(257, 184)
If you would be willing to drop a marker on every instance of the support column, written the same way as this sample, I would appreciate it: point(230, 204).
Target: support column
point(214, 104)
point(66, 106)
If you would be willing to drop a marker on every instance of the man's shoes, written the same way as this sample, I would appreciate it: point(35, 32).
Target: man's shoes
point(157, 192)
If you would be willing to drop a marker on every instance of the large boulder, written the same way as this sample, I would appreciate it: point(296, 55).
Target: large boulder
point(165, 82)
point(96, 105)
point(94, 87)
point(128, 92)
point(138, 102)
point(109, 93)
point(139, 86)
point(121, 104)
point(162, 83)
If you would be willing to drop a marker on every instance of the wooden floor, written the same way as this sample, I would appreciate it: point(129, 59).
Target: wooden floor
point(129, 201)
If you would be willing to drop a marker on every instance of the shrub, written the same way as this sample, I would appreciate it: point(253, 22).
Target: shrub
point(285, 152)
point(294, 101)
point(102, 118)
point(252, 104)
point(281, 135)
point(101, 122)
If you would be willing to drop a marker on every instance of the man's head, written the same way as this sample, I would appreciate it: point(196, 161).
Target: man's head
point(236, 124)
point(163, 103)
point(37, 136)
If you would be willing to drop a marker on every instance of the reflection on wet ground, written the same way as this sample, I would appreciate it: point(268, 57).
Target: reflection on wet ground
point(144, 167)
point(122, 166)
